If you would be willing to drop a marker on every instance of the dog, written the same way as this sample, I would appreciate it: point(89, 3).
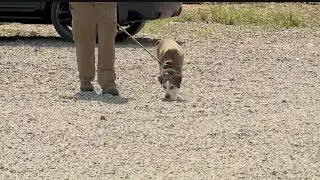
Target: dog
point(171, 58)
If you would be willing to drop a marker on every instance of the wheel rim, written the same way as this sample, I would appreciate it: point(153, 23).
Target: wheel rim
point(63, 15)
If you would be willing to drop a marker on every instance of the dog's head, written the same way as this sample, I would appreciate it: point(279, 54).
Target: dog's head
point(170, 81)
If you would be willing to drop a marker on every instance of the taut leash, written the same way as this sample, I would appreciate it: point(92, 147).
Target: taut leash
point(139, 43)
point(134, 39)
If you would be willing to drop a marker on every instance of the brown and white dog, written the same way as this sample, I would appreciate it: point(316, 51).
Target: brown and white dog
point(170, 54)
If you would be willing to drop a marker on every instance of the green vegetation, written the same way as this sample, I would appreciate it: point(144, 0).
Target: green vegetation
point(266, 15)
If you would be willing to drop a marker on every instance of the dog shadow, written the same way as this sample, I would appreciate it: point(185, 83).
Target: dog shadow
point(178, 100)
point(93, 96)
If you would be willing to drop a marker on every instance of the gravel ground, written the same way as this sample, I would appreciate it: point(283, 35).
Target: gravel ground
point(249, 109)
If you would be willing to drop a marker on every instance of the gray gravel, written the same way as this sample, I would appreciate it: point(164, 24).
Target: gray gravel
point(249, 109)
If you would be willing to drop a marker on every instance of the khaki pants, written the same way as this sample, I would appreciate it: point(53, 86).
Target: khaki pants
point(88, 20)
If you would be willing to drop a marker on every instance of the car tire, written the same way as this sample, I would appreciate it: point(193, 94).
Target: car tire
point(61, 20)
point(60, 13)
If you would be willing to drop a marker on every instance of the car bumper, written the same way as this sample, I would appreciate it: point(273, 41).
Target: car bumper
point(138, 11)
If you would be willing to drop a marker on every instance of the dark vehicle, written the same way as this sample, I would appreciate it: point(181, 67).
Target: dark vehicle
point(131, 15)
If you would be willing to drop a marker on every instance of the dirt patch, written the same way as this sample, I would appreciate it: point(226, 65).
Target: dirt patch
point(249, 108)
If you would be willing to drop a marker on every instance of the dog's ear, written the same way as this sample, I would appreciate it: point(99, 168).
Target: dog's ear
point(177, 80)
point(160, 79)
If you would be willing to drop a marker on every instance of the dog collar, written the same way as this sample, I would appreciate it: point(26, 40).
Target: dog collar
point(170, 70)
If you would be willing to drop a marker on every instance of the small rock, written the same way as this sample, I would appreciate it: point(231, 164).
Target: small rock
point(310, 45)
point(36, 49)
point(218, 64)
point(103, 118)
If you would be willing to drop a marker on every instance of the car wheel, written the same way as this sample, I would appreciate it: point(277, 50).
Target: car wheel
point(62, 21)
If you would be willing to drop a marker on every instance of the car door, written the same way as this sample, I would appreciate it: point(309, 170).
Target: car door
point(19, 9)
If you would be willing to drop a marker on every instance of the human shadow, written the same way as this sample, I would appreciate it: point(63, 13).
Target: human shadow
point(93, 96)
point(55, 41)
point(46, 41)
point(146, 42)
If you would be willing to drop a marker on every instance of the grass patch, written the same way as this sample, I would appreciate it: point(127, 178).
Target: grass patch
point(14, 29)
point(273, 15)
point(9, 32)
point(267, 15)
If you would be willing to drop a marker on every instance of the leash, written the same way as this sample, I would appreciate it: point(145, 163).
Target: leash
point(134, 39)
point(138, 43)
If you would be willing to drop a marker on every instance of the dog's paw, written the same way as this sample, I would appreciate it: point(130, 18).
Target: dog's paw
point(169, 100)
point(166, 100)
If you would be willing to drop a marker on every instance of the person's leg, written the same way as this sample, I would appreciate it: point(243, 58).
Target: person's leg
point(107, 30)
point(84, 35)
